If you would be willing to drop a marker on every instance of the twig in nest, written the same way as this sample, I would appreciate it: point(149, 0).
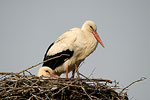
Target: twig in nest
point(86, 92)
point(4, 74)
point(29, 72)
point(41, 63)
point(141, 79)
point(8, 73)
point(64, 88)
point(91, 72)
point(104, 80)
point(77, 71)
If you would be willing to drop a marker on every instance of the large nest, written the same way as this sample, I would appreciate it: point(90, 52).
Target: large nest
point(23, 87)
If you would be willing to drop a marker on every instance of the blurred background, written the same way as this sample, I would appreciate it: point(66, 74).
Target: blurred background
point(28, 27)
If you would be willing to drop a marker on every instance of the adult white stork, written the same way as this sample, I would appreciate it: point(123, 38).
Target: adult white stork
point(70, 49)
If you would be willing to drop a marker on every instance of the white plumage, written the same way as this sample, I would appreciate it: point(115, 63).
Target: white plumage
point(77, 44)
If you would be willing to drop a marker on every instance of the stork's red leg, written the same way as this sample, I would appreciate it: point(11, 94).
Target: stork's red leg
point(73, 72)
point(67, 72)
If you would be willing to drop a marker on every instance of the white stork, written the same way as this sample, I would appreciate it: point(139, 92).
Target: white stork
point(47, 72)
point(70, 49)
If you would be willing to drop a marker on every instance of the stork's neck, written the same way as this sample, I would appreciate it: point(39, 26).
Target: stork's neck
point(91, 42)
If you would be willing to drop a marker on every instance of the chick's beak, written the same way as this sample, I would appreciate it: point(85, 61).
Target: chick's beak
point(54, 75)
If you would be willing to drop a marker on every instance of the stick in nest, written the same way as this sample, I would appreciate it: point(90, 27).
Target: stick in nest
point(41, 63)
point(141, 79)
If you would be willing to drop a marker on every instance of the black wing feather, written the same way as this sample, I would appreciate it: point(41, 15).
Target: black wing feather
point(59, 59)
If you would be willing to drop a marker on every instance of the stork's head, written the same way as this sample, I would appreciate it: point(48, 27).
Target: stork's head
point(91, 27)
point(46, 72)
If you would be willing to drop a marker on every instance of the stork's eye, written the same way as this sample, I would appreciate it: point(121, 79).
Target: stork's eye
point(91, 27)
point(47, 71)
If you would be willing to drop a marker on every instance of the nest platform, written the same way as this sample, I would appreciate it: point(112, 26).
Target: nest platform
point(30, 87)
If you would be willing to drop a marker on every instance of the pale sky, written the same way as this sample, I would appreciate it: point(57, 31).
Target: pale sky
point(28, 27)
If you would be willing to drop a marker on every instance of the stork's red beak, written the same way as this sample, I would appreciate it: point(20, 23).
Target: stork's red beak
point(98, 38)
